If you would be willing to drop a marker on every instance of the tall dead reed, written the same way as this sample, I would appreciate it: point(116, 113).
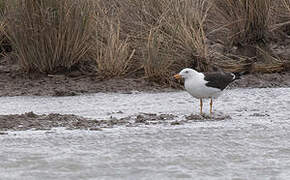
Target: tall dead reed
point(243, 21)
point(281, 16)
point(154, 37)
point(168, 35)
point(49, 35)
point(244, 24)
point(113, 54)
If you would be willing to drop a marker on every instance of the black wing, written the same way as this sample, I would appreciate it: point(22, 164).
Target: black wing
point(218, 80)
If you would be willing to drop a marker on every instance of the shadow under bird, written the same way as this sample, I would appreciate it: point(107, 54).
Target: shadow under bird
point(205, 85)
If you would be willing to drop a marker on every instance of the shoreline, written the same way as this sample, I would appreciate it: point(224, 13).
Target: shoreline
point(17, 84)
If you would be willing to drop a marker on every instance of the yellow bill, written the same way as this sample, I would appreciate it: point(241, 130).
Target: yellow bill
point(177, 76)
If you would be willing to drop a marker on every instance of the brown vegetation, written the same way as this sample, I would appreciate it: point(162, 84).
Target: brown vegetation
point(48, 35)
point(154, 37)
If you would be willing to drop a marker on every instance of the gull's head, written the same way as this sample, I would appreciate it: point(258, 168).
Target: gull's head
point(186, 74)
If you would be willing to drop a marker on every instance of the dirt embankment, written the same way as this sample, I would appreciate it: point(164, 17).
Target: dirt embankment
point(263, 81)
point(15, 83)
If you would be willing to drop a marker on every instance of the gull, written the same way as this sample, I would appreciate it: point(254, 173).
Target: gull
point(205, 85)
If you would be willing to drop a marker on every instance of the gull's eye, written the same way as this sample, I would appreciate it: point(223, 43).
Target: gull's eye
point(186, 71)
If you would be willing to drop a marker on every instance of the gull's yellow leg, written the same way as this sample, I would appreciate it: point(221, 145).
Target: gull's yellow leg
point(210, 105)
point(200, 106)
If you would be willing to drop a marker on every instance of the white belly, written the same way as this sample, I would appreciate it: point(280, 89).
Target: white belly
point(198, 89)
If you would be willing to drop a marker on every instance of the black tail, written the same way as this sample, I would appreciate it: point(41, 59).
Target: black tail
point(239, 74)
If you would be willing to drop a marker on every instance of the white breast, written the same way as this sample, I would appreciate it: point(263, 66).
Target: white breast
point(196, 87)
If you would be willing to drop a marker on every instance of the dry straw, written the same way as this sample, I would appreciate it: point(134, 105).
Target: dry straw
point(154, 37)
point(49, 35)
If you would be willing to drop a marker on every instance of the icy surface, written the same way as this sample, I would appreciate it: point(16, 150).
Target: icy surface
point(254, 144)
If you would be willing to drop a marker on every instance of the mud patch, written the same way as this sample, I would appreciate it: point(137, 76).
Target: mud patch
point(32, 121)
point(201, 118)
point(259, 115)
point(44, 122)
point(148, 118)
point(3, 133)
point(206, 117)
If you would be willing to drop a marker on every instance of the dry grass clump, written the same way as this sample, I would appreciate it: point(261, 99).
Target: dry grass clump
point(281, 16)
point(5, 45)
point(49, 35)
point(157, 60)
point(243, 22)
point(114, 55)
point(112, 50)
point(154, 37)
point(281, 31)
point(189, 34)
point(231, 62)
point(167, 34)
point(2, 7)
point(158, 36)
point(145, 23)
point(246, 24)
